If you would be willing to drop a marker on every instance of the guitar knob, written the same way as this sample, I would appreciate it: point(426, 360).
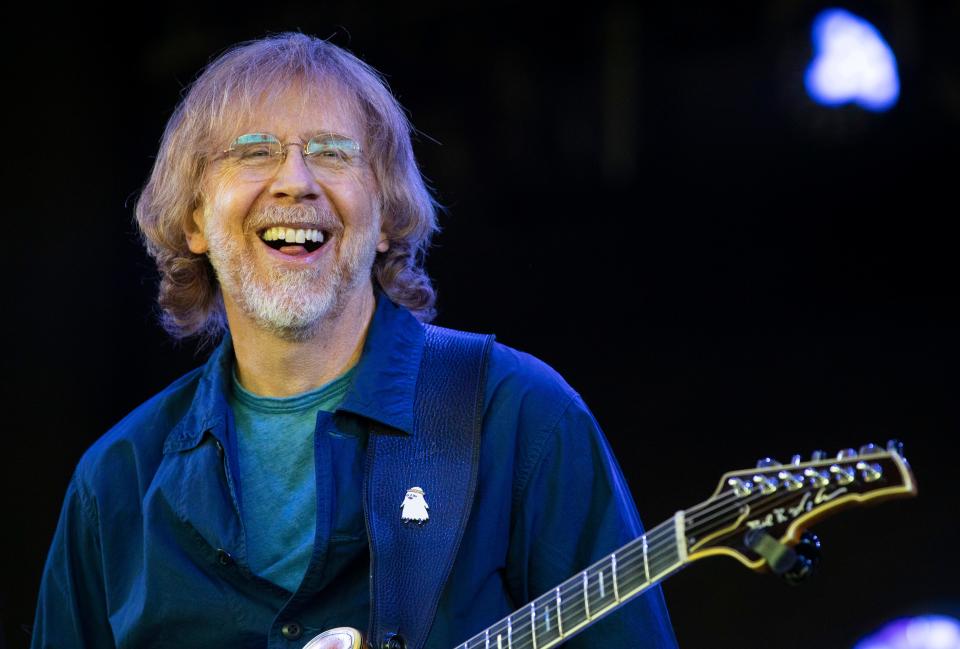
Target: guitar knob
point(869, 449)
point(796, 460)
point(767, 462)
point(846, 453)
point(816, 456)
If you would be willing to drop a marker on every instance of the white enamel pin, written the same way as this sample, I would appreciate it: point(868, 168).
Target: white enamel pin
point(414, 507)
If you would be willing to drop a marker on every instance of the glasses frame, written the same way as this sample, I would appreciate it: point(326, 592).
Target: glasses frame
point(282, 154)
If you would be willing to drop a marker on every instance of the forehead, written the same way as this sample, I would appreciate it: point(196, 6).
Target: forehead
point(300, 110)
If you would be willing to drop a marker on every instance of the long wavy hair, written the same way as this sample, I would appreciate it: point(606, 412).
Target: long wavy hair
point(229, 88)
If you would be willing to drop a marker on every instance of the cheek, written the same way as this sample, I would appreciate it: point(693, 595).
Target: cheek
point(229, 204)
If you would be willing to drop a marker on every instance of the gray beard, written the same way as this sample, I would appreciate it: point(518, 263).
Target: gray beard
point(288, 303)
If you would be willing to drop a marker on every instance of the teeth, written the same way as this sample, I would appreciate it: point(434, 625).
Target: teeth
point(292, 236)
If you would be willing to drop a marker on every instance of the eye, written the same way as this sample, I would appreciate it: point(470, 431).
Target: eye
point(253, 151)
point(331, 149)
point(252, 148)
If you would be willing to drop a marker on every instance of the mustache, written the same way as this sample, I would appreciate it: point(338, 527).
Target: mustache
point(299, 215)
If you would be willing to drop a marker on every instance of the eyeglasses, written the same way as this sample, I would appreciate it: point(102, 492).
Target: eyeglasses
point(258, 156)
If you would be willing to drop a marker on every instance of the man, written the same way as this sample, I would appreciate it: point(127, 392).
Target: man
point(261, 498)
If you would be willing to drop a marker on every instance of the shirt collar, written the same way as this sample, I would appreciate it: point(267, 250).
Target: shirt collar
point(383, 387)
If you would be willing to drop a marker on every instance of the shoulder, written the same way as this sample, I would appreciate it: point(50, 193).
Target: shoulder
point(133, 447)
point(515, 375)
point(530, 408)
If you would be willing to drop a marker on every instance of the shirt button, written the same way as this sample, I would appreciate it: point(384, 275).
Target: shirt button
point(223, 557)
point(291, 630)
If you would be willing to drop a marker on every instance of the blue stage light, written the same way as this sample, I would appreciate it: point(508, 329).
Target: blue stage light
point(852, 63)
point(922, 632)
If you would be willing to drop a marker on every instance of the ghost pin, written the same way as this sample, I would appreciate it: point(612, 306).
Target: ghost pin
point(414, 507)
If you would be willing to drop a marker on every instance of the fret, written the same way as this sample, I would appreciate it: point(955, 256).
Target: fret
point(533, 625)
point(646, 562)
point(680, 529)
point(633, 573)
point(586, 595)
point(559, 614)
point(574, 605)
point(600, 597)
point(613, 571)
point(546, 631)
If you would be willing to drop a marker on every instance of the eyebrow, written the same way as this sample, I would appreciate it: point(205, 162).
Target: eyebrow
point(305, 136)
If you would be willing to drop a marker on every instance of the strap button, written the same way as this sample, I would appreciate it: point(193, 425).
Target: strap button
point(291, 630)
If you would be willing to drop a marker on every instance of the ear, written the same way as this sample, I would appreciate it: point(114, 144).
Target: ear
point(383, 244)
point(193, 231)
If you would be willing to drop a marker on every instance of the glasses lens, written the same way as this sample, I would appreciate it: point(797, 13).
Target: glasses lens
point(332, 151)
point(256, 153)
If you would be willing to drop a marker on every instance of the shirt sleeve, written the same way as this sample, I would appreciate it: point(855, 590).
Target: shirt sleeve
point(71, 608)
point(575, 509)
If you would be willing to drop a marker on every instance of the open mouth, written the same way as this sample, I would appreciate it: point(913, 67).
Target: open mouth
point(294, 241)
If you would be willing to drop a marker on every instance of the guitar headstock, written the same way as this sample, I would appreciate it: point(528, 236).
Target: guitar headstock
point(782, 500)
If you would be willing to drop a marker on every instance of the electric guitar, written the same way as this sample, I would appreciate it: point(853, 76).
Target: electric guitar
point(756, 516)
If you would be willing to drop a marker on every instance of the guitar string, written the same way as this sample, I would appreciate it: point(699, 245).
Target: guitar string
point(717, 502)
point(658, 562)
point(627, 558)
point(707, 525)
point(573, 586)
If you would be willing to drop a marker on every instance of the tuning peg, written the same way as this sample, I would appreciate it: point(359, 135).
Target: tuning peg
point(796, 460)
point(790, 481)
point(870, 472)
point(767, 462)
point(740, 487)
point(767, 485)
point(816, 456)
point(869, 449)
point(846, 453)
point(844, 475)
point(817, 478)
point(895, 446)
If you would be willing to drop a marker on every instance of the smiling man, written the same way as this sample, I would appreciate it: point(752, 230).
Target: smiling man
point(337, 461)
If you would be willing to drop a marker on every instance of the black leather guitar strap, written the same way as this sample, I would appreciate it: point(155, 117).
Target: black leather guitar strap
point(411, 560)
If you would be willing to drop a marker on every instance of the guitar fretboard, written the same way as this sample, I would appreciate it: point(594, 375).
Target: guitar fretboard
point(581, 600)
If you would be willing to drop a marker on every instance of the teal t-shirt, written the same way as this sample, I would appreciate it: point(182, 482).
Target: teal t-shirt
point(275, 439)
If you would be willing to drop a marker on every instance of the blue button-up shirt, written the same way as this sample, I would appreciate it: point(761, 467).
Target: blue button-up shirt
point(149, 549)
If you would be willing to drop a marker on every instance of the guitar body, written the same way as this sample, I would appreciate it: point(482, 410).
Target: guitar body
point(342, 637)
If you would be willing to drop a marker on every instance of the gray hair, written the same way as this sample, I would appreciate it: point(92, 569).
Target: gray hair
point(226, 90)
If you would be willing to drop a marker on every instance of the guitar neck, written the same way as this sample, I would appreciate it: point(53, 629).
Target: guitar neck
point(589, 595)
point(773, 499)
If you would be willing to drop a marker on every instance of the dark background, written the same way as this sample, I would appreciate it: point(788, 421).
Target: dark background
point(644, 197)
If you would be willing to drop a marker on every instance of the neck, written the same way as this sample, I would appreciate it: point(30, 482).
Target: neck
point(272, 367)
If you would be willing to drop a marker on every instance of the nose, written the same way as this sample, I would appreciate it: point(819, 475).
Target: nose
point(294, 178)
